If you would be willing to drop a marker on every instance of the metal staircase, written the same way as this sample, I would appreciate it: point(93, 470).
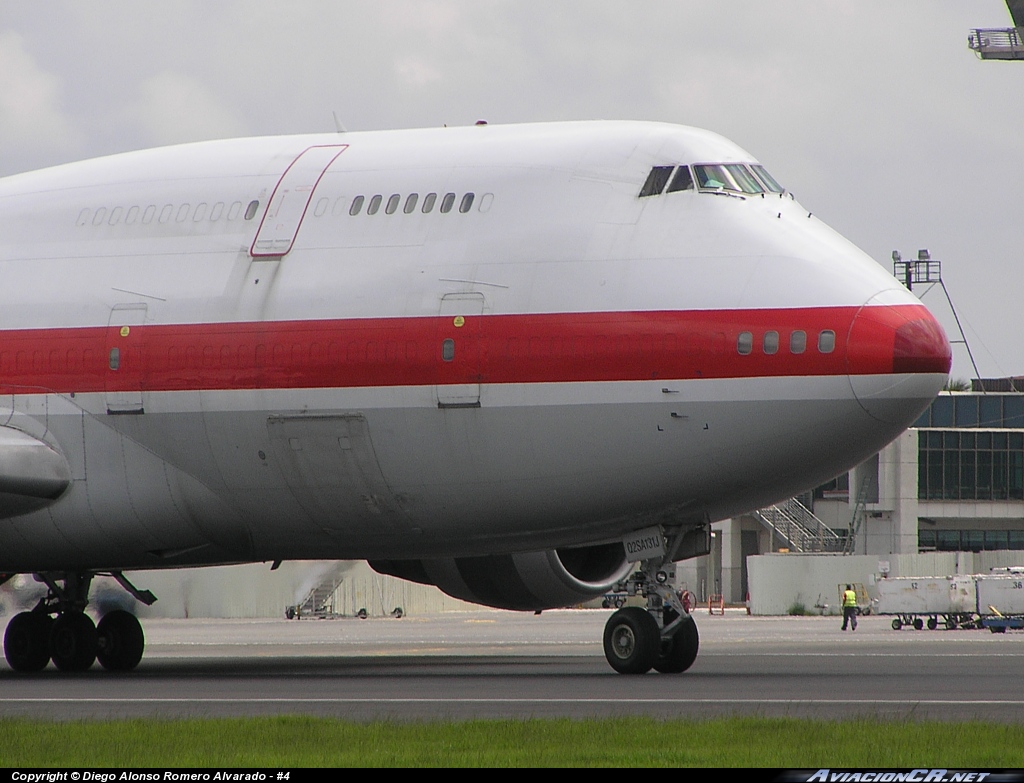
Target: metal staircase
point(798, 528)
point(319, 602)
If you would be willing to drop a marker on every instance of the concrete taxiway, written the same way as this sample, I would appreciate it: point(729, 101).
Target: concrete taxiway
point(500, 665)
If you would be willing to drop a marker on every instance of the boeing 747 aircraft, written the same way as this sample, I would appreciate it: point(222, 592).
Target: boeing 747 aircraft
point(520, 363)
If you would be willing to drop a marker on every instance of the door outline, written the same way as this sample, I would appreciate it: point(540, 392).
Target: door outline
point(126, 359)
point(279, 226)
point(460, 326)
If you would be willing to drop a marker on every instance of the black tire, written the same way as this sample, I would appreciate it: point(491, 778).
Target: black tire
point(932, 623)
point(897, 623)
point(120, 641)
point(398, 613)
point(632, 640)
point(918, 623)
point(27, 641)
point(680, 651)
point(73, 642)
point(362, 614)
point(951, 623)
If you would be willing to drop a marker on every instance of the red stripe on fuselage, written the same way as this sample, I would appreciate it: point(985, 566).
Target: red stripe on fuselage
point(495, 349)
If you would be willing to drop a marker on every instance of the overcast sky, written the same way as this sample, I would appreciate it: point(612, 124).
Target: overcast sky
point(874, 112)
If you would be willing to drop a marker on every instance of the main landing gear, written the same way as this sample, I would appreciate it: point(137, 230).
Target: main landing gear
point(662, 637)
point(70, 638)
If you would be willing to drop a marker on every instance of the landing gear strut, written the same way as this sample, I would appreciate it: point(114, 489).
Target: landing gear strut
point(662, 637)
point(71, 639)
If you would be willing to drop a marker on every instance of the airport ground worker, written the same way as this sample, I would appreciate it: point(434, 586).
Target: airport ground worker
point(849, 608)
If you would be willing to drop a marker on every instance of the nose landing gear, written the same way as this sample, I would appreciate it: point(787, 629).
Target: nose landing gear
point(71, 639)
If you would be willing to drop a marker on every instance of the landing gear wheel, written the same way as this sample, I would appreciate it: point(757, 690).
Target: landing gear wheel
point(27, 641)
point(918, 623)
point(680, 651)
point(73, 642)
point(120, 641)
point(951, 623)
point(932, 623)
point(897, 624)
point(632, 640)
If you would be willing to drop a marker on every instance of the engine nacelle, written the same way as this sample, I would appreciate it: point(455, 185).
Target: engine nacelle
point(528, 581)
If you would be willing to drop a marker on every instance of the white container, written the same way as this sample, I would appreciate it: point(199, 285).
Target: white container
point(924, 595)
point(1004, 593)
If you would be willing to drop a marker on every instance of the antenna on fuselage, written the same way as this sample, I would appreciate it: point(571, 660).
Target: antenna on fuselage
point(337, 123)
point(928, 271)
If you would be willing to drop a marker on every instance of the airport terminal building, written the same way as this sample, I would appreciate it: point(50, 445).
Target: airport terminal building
point(954, 482)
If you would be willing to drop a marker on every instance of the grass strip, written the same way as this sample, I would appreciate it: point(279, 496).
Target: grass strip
point(290, 742)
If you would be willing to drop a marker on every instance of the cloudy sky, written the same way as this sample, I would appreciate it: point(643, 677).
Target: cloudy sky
point(875, 113)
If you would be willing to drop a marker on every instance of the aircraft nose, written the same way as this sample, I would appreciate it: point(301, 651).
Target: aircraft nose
point(898, 357)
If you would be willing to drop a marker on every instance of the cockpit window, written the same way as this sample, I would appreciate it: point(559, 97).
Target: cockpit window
point(683, 180)
point(747, 182)
point(656, 181)
point(767, 179)
point(714, 177)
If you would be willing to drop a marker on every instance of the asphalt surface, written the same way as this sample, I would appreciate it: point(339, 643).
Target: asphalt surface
point(501, 665)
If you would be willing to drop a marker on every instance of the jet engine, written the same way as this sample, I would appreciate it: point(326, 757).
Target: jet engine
point(527, 581)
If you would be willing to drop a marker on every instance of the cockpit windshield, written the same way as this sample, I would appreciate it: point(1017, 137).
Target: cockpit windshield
point(727, 176)
point(746, 178)
point(767, 179)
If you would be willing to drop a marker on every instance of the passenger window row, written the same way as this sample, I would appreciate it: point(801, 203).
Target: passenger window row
point(373, 204)
point(178, 213)
point(797, 342)
point(750, 179)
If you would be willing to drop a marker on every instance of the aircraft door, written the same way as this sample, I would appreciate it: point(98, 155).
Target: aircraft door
point(458, 346)
point(291, 197)
point(125, 373)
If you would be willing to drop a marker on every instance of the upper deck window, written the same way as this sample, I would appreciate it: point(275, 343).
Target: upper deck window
point(683, 180)
point(767, 179)
point(656, 181)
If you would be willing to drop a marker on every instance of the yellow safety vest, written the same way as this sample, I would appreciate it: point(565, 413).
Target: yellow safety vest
point(849, 598)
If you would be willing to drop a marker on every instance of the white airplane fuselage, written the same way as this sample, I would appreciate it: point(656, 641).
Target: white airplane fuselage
point(552, 361)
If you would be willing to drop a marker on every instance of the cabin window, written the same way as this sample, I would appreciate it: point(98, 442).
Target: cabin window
point(798, 342)
point(410, 203)
point(250, 211)
point(165, 213)
point(374, 205)
point(466, 203)
point(115, 358)
point(448, 350)
point(200, 212)
point(233, 211)
point(149, 214)
point(683, 180)
point(357, 205)
point(770, 344)
point(428, 202)
point(447, 202)
point(745, 343)
point(101, 213)
point(321, 207)
point(115, 215)
point(215, 213)
point(182, 213)
point(132, 216)
point(392, 204)
point(656, 181)
point(827, 341)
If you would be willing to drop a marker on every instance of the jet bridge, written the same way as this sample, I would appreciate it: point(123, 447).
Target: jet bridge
point(1001, 43)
